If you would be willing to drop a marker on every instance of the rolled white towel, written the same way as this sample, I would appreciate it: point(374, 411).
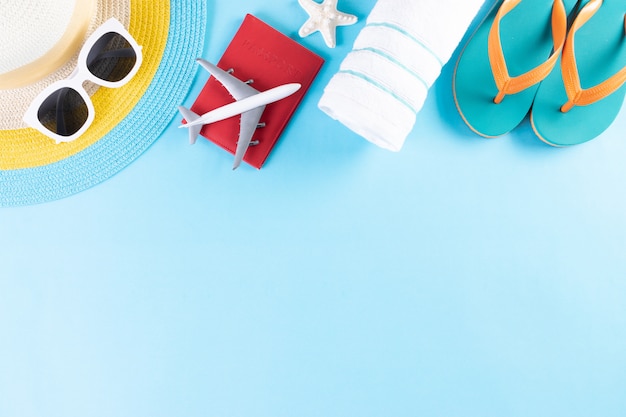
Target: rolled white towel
point(383, 82)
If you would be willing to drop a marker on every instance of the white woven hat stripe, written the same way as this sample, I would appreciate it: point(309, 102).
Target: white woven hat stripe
point(46, 23)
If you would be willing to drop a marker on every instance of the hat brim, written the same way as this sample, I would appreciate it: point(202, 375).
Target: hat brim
point(128, 119)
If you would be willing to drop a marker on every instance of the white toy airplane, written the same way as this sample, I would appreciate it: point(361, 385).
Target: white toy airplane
point(250, 103)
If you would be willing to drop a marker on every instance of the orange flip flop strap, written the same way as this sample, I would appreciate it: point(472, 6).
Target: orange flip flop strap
point(576, 95)
point(511, 85)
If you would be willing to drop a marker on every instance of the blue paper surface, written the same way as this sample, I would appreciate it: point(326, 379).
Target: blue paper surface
point(459, 277)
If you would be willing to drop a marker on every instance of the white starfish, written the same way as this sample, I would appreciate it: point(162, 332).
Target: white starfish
point(324, 17)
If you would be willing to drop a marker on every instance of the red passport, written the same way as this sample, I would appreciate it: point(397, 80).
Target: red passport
point(258, 52)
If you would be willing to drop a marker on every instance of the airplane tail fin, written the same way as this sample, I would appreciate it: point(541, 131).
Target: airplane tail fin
point(190, 116)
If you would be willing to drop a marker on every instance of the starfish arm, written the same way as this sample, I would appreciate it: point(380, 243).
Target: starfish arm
point(345, 19)
point(329, 34)
point(307, 28)
point(309, 6)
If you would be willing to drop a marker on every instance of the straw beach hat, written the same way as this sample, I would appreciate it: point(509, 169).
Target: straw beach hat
point(41, 40)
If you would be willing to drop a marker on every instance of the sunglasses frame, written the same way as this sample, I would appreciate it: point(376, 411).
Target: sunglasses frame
point(81, 74)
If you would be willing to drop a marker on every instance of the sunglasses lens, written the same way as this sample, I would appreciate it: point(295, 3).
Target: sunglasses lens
point(111, 58)
point(64, 112)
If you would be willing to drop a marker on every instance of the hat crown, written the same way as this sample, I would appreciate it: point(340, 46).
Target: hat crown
point(31, 28)
point(39, 37)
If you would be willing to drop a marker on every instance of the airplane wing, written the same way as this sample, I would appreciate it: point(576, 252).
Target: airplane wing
point(190, 116)
point(237, 88)
point(249, 122)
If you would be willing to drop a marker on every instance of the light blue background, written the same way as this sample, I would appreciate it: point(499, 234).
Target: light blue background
point(459, 277)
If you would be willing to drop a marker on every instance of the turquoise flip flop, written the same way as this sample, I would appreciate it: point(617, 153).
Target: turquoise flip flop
point(498, 72)
point(580, 108)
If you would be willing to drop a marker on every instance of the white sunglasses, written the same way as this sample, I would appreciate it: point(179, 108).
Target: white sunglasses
point(110, 58)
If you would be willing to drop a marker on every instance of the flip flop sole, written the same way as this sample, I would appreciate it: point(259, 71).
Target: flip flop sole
point(600, 53)
point(526, 39)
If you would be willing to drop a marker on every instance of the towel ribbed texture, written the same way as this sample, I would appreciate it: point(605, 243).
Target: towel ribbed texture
point(383, 82)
